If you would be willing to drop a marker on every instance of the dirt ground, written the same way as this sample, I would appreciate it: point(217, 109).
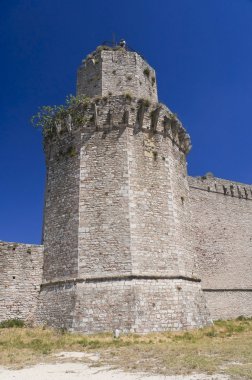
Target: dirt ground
point(78, 370)
point(72, 371)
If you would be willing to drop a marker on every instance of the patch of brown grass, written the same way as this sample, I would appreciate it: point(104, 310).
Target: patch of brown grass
point(226, 347)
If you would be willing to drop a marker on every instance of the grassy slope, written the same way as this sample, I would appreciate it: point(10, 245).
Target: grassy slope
point(224, 348)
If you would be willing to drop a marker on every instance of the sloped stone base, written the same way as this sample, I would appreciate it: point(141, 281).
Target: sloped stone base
point(129, 305)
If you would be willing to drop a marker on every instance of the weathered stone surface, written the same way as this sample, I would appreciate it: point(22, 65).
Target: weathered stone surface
point(222, 224)
point(127, 235)
point(20, 279)
point(128, 305)
point(117, 72)
point(117, 229)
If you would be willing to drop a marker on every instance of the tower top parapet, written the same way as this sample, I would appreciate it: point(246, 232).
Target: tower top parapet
point(116, 71)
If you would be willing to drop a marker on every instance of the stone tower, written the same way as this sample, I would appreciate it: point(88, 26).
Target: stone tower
point(117, 233)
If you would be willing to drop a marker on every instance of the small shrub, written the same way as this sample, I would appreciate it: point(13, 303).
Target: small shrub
point(128, 96)
point(94, 343)
point(103, 47)
point(48, 116)
point(9, 323)
point(146, 72)
point(153, 81)
point(152, 113)
point(62, 330)
point(173, 116)
point(115, 48)
point(144, 102)
point(212, 333)
point(239, 328)
point(71, 151)
point(242, 318)
point(187, 336)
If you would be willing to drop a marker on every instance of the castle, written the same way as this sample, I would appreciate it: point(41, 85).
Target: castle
point(130, 241)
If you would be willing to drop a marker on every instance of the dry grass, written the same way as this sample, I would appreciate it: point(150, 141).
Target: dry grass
point(224, 348)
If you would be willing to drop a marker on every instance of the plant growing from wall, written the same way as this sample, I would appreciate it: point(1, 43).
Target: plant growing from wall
point(50, 117)
point(146, 72)
point(128, 96)
point(9, 323)
point(173, 116)
point(71, 151)
point(144, 102)
point(155, 155)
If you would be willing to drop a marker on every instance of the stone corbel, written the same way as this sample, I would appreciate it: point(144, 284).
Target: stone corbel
point(140, 115)
point(181, 136)
point(187, 143)
point(95, 115)
point(167, 126)
point(126, 117)
point(175, 130)
point(154, 119)
point(110, 118)
point(69, 123)
point(58, 127)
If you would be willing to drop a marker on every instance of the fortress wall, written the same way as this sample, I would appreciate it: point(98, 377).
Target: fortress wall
point(151, 205)
point(61, 212)
point(104, 233)
point(222, 222)
point(20, 279)
point(158, 206)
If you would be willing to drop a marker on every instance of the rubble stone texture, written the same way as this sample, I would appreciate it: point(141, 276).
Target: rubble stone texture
point(128, 236)
point(20, 279)
point(222, 222)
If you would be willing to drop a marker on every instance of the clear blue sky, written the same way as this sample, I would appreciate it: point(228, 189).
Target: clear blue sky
point(202, 53)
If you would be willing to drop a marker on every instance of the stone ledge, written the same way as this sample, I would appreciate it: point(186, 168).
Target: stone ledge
point(118, 278)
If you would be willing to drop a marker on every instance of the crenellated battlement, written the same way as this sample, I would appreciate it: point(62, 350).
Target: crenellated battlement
point(221, 186)
point(117, 112)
